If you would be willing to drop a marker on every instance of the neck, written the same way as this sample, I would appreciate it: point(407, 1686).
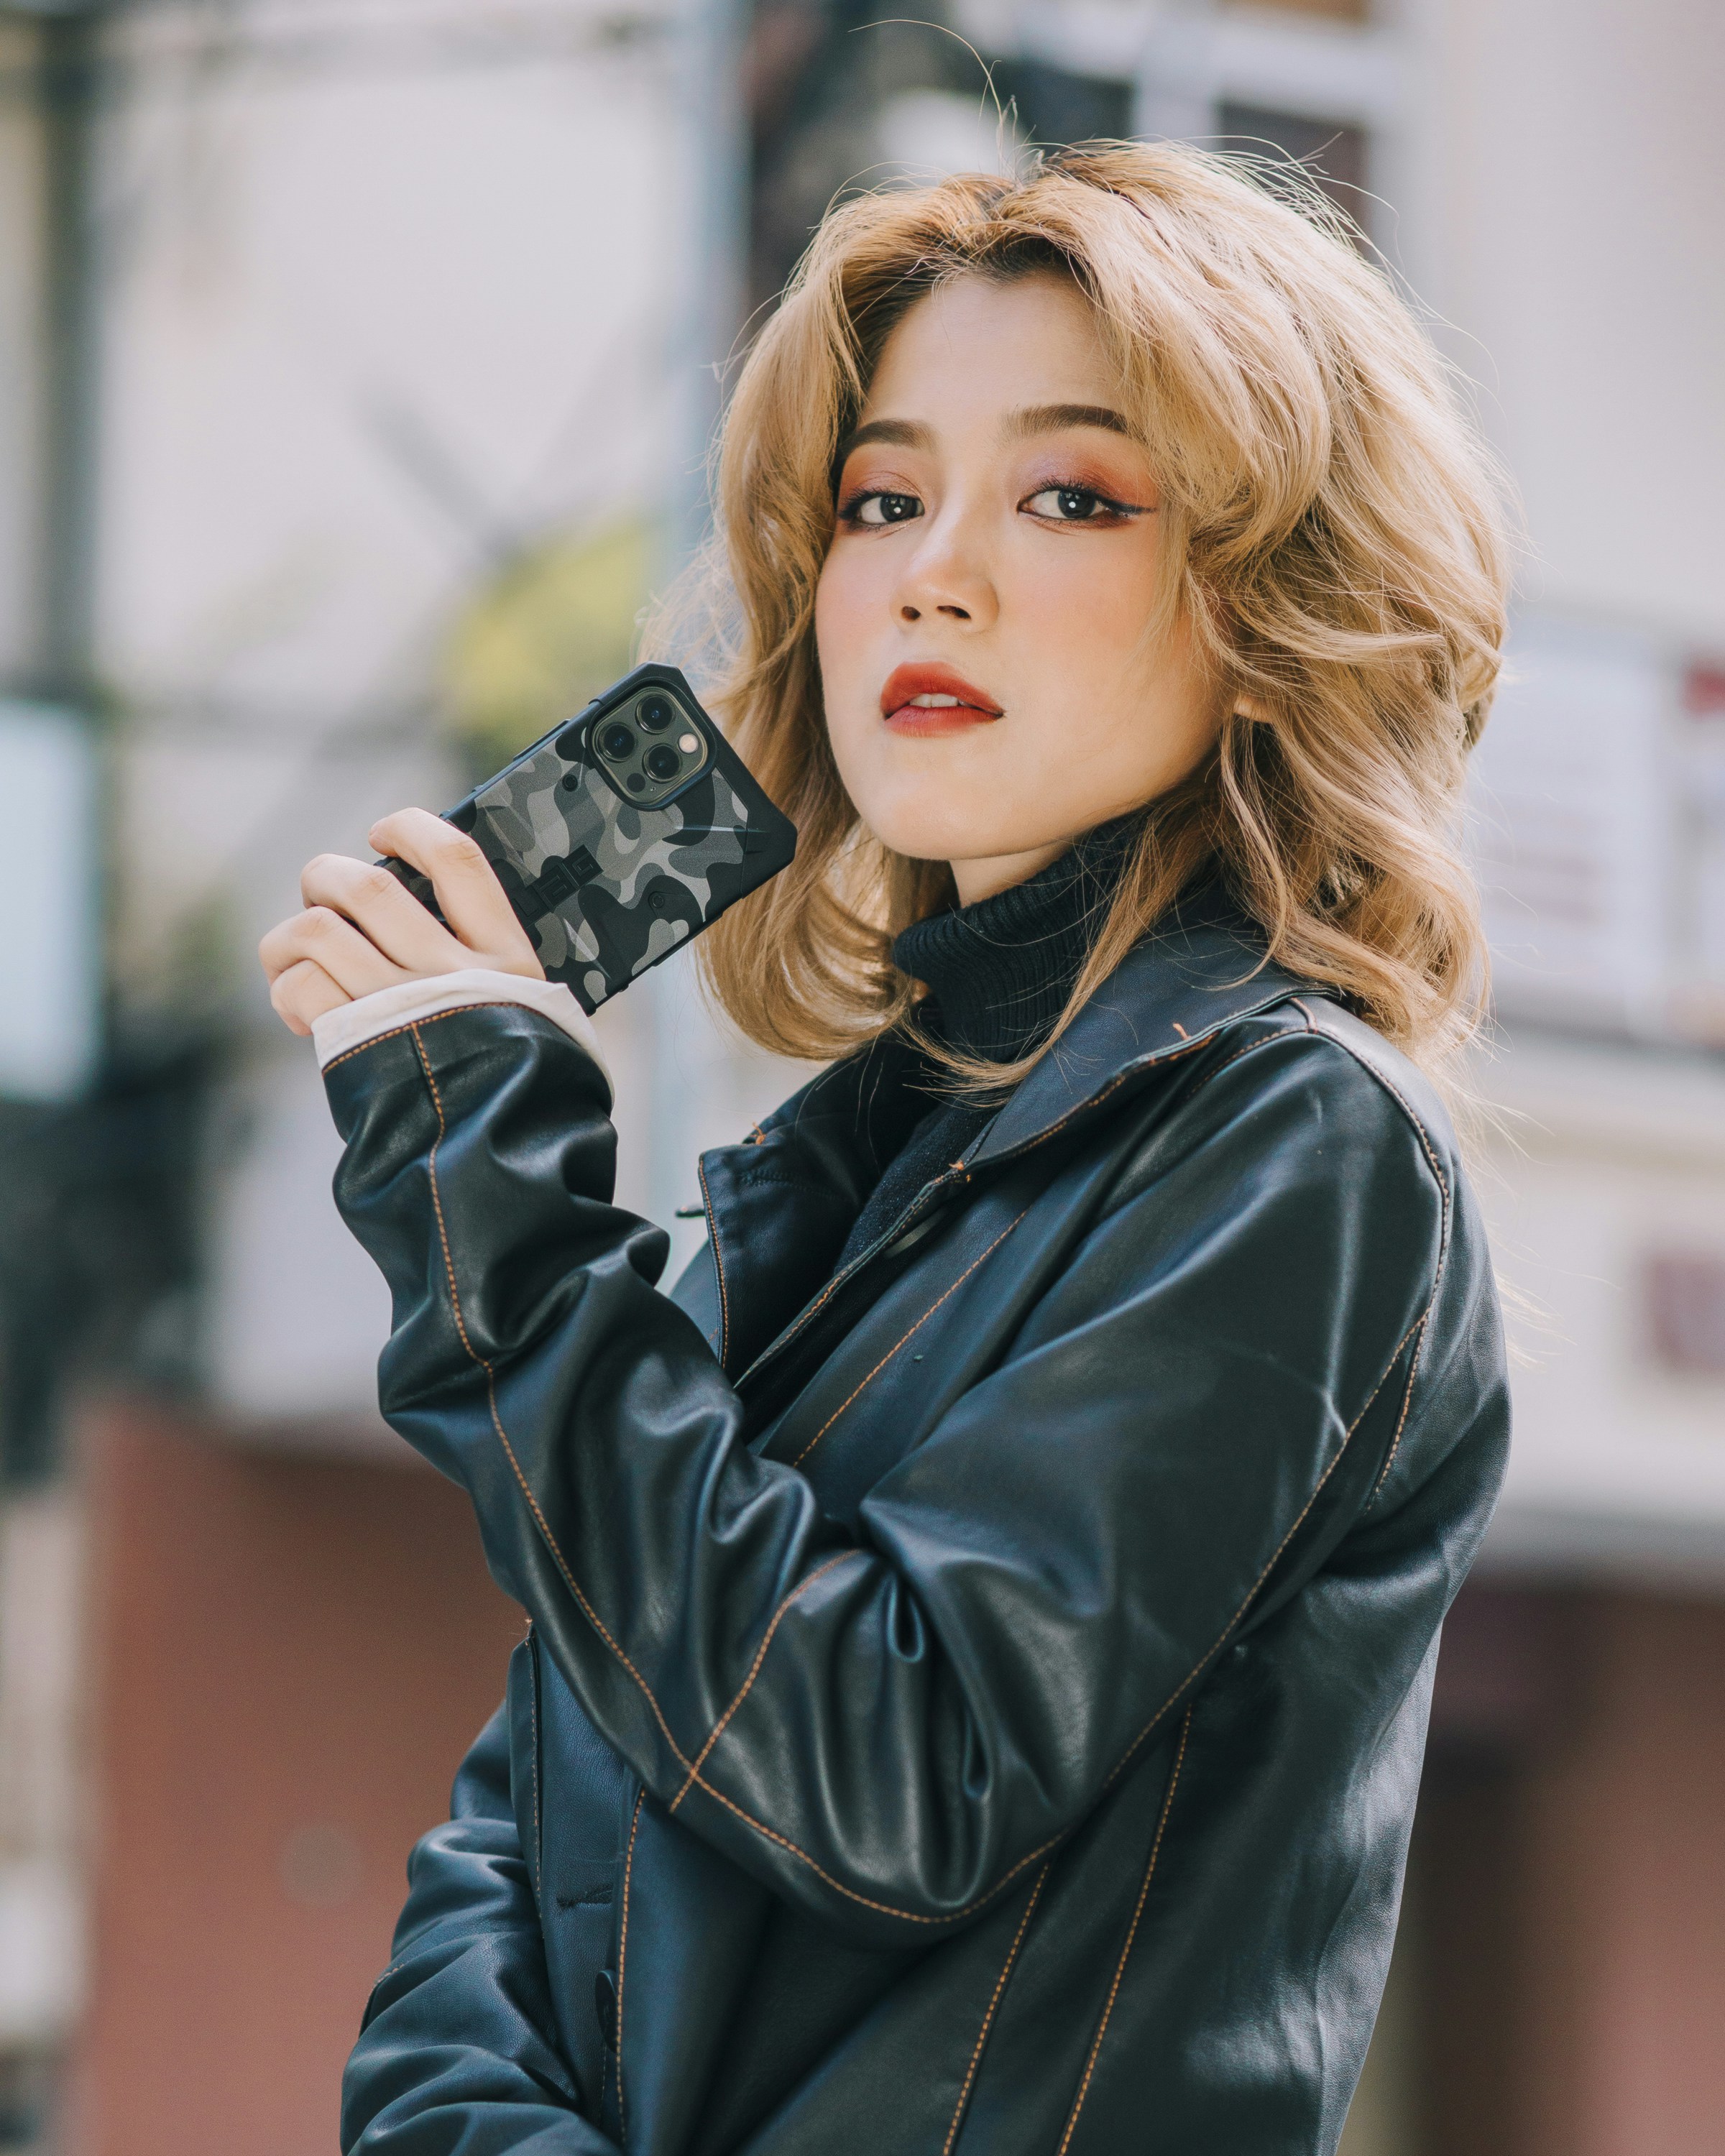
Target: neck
point(1001, 968)
point(977, 880)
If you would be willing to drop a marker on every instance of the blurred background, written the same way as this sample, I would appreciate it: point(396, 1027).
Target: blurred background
point(356, 360)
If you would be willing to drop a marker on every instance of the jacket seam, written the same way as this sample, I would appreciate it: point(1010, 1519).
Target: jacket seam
point(1167, 1805)
point(629, 1866)
point(587, 1608)
point(1299, 1520)
point(413, 1026)
point(850, 1893)
point(1251, 1047)
point(863, 1383)
point(1000, 1982)
point(820, 1573)
point(383, 1975)
point(1396, 1094)
point(1155, 1060)
point(804, 1318)
point(1402, 1419)
point(718, 1264)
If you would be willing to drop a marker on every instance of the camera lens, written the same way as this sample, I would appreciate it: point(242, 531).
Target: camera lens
point(616, 742)
point(653, 714)
point(661, 761)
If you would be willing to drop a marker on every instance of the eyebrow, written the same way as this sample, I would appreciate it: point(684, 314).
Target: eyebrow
point(1020, 426)
point(895, 433)
point(1050, 418)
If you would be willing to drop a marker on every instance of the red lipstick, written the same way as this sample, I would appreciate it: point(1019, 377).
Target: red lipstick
point(932, 699)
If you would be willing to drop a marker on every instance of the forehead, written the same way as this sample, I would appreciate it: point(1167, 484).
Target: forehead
point(975, 348)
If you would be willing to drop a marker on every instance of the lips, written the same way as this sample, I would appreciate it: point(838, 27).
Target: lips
point(930, 699)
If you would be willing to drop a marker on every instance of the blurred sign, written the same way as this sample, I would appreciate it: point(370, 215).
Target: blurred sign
point(1571, 826)
point(50, 951)
point(1597, 823)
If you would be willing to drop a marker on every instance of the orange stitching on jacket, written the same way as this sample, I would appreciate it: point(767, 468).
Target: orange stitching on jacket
point(820, 1573)
point(1401, 1420)
point(850, 1894)
point(629, 1866)
point(988, 2018)
point(1251, 1047)
point(712, 1237)
point(431, 1017)
point(1396, 1094)
point(1167, 1805)
point(587, 1608)
point(897, 1344)
point(1276, 1555)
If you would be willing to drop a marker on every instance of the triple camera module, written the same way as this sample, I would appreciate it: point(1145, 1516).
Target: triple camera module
point(648, 751)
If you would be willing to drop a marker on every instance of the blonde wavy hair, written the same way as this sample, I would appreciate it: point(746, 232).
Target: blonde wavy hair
point(1332, 531)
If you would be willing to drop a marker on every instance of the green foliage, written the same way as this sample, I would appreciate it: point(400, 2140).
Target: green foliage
point(553, 628)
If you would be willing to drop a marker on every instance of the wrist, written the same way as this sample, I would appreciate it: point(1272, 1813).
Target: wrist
point(352, 1026)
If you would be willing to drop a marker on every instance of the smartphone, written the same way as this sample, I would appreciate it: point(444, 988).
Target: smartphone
point(622, 833)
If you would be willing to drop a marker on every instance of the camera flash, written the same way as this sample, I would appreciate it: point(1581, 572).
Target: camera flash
point(688, 744)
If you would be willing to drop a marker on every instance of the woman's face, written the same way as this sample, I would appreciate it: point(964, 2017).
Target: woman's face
point(991, 691)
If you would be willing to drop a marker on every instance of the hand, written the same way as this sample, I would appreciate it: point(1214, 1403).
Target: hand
point(361, 929)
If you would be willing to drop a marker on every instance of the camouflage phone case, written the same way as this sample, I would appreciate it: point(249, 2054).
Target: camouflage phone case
point(605, 886)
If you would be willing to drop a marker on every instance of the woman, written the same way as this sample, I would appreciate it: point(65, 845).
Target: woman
point(983, 1623)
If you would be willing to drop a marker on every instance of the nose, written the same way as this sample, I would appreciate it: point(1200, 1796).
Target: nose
point(946, 576)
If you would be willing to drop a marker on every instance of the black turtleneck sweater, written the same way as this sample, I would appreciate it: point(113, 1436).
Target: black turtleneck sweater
point(998, 973)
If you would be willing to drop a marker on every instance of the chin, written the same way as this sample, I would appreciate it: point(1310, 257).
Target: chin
point(936, 819)
point(928, 838)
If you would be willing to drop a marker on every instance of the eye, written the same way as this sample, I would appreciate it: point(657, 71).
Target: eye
point(1076, 505)
point(872, 510)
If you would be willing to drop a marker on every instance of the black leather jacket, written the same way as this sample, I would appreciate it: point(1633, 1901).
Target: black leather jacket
point(975, 1706)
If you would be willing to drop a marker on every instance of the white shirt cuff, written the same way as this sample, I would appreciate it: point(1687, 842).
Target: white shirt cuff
point(368, 1018)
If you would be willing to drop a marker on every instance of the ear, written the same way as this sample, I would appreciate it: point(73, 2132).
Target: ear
point(1249, 707)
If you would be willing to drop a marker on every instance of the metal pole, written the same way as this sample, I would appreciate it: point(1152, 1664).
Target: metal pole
point(66, 609)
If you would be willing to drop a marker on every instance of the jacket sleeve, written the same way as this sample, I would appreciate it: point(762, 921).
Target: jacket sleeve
point(456, 2052)
point(890, 1726)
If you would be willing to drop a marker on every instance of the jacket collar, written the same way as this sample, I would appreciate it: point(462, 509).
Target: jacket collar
point(780, 1206)
point(1201, 968)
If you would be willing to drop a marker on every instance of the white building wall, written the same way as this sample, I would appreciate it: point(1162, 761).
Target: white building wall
point(1570, 223)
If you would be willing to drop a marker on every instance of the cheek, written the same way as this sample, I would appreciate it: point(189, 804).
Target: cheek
point(1091, 603)
point(847, 604)
point(843, 619)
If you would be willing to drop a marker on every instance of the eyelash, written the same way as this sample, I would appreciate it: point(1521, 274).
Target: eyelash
point(850, 509)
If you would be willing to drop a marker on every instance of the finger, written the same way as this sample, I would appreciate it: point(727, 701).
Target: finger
point(352, 962)
point(383, 911)
point(303, 993)
point(466, 886)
